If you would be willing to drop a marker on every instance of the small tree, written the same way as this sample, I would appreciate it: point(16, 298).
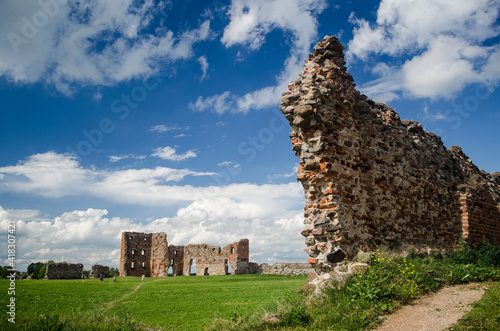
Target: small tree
point(41, 272)
point(33, 267)
point(35, 270)
point(114, 272)
point(3, 272)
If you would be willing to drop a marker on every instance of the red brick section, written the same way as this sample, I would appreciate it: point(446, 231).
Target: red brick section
point(480, 215)
point(371, 179)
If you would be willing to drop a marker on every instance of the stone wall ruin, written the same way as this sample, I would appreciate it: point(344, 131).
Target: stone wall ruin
point(63, 270)
point(372, 179)
point(97, 270)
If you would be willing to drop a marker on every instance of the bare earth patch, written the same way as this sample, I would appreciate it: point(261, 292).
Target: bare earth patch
point(437, 311)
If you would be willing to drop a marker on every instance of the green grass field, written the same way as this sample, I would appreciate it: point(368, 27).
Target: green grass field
point(173, 303)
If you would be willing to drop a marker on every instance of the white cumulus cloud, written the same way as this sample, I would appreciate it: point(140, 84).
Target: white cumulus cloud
point(250, 22)
point(444, 40)
point(71, 44)
point(169, 153)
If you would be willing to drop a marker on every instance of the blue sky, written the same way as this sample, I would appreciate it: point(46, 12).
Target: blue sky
point(163, 115)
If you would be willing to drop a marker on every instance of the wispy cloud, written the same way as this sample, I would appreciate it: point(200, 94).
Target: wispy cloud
point(290, 174)
point(229, 164)
point(169, 153)
point(116, 158)
point(162, 128)
point(202, 60)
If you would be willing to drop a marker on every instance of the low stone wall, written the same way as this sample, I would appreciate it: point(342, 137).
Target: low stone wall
point(286, 269)
point(64, 271)
point(277, 269)
point(96, 270)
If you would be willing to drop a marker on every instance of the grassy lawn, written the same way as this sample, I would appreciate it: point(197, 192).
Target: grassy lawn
point(173, 303)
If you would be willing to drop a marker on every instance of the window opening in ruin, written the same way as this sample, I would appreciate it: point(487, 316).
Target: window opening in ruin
point(144, 264)
point(170, 272)
point(192, 267)
point(133, 252)
point(129, 238)
point(219, 250)
point(132, 265)
point(143, 252)
point(227, 267)
point(232, 250)
point(145, 238)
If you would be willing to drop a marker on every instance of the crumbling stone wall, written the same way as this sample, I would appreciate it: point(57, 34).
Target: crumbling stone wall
point(64, 270)
point(285, 269)
point(159, 254)
point(150, 255)
point(216, 259)
point(97, 270)
point(372, 179)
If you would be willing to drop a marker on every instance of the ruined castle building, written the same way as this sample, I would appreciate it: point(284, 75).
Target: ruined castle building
point(150, 255)
point(371, 179)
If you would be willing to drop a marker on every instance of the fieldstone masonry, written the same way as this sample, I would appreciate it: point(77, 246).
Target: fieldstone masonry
point(372, 179)
point(97, 270)
point(64, 270)
point(285, 269)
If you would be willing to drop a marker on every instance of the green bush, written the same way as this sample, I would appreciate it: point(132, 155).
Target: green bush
point(488, 255)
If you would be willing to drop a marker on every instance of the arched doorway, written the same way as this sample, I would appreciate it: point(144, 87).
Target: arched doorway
point(192, 267)
point(170, 271)
point(227, 267)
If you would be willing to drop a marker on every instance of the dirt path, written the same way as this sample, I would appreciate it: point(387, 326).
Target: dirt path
point(112, 303)
point(437, 311)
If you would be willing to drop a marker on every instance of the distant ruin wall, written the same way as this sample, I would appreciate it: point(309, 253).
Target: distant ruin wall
point(64, 271)
point(285, 269)
point(97, 270)
point(371, 179)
